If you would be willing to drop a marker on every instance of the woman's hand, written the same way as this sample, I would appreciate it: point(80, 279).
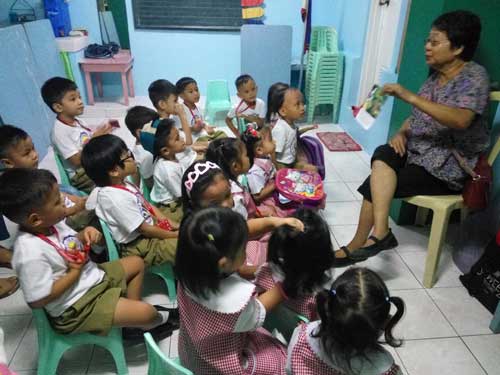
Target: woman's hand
point(398, 91)
point(398, 143)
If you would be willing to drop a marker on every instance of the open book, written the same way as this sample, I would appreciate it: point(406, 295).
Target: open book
point(367, 112)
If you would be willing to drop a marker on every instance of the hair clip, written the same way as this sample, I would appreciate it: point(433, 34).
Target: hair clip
point(199, 170)
point(334, 292)
point(211, 237)
point(387, 298)
point(251, 131)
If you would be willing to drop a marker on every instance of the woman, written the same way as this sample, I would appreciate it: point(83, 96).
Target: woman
point(448, 114)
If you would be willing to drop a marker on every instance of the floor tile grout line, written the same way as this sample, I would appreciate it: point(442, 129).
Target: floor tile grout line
point(442, 312)
point(411, 271)
point(20, 341)
point(473, 355)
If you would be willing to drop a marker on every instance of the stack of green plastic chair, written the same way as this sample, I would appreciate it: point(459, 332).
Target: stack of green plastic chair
point(165, 270)
point(52, 345)
point(218, 99)
point(159, 363)
point(324, 72)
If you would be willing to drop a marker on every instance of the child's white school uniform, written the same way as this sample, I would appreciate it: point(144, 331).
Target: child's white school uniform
point(69, 140)
point(307, 356)
point(167, 181)
point(285, 137)
point(193, 116)
point(242, 108)
point(144, 160)
point(221, 334)
point(188, 156)
point(238, 194)
point(38, 265)
point(124, 211)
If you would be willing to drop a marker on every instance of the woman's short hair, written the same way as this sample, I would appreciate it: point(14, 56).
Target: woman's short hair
point(463, 29)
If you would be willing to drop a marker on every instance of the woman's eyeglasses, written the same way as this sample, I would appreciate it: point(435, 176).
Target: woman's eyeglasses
point(434, 43)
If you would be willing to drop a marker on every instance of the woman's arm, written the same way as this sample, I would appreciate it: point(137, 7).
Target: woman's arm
point(451, 117)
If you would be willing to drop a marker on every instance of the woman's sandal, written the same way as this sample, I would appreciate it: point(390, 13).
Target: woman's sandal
point(348, 260)
point(8, 286)
point(386, 243)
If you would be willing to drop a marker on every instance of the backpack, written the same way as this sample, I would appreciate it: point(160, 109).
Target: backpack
point(314, 152)
point(483, 280)
point(302, 187)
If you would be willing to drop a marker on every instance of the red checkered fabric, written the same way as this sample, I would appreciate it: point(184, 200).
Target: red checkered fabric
point(208, 345)
point(256, 252)
point(303, 305)
point(305, 362)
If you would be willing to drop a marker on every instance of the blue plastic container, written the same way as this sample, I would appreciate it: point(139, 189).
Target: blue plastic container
point(58, 14)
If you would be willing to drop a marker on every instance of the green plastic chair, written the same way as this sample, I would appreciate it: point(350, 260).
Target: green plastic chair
point(283, 320)
point(159, 363)
point(218, 99)
point(146, 192)
point(165, 270)
point(62, 172)
point(324, 39)
point(52, 345)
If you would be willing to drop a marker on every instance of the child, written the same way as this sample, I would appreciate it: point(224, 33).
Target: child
point(55, 272)
point(260, 176)
point(167, 170)
point(230, 155)
point(140, 229)
point(163, 95)
point(205, 185)
point(290, 108)
point(250, 108)
point(302, 272)
point(187, 89)
point(220, 314)
point(353, 314)
point(135, 120)
point(272, 113)
point(70, 133)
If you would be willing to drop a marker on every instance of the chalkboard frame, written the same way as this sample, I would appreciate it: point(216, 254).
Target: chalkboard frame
point(140, 25)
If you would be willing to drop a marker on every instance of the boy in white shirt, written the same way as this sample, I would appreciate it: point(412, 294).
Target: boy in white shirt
point(140, 228)
point(168, 172)
point(52, 263)
point(249, 108)
point(70, 133)
point(163, 95)
point(187, 89)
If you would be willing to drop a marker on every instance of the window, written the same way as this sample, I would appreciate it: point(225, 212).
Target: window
point(188, 14)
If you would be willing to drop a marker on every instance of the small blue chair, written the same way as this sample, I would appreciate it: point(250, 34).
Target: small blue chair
point(159, 363)
point(218, 99)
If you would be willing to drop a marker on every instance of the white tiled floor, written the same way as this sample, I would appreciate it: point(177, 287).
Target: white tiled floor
point(445, 330)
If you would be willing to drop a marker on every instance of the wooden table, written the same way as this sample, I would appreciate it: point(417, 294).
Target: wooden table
point(121, 63)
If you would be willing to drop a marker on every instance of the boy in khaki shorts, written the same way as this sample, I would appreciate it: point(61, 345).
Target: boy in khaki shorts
point(55, 273)
point(140, 228)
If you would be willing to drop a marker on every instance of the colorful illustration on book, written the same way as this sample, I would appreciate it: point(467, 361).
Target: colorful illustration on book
point(367, 112)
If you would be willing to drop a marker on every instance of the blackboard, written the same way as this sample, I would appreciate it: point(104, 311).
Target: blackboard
point(188, 14)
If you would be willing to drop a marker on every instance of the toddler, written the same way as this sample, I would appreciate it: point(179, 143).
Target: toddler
point(55, 272)
point(168, 171)
point(301, 261)
point(70, 133)
point(249, 108)
point(220, 314)
point(187, 89)
point(140, 228)
point(353, 314)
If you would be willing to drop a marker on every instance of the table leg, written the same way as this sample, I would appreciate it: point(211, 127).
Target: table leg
point(99, 84)
point(90, 89)
point(124, 88)
point(130, 80)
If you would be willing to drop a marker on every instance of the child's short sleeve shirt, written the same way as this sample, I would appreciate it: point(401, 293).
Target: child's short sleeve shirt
point(285, 137)
point(242, 108)
point(167, 181)
point(144, 161)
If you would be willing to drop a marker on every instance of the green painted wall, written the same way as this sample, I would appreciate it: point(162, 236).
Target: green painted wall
point(120, 17)
point(413, 70)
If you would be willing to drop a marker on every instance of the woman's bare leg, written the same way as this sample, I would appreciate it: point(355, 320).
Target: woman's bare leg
point(365, 224)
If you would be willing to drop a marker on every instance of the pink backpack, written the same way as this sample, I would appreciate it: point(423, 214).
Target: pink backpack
point(301, 187)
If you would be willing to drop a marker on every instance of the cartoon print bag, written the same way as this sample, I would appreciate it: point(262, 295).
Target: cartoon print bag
point(300, 186)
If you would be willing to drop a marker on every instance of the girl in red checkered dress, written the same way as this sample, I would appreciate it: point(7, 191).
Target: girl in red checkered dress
point(302, 261)
point(204, 184)
point(220, 313)
point(354, 313)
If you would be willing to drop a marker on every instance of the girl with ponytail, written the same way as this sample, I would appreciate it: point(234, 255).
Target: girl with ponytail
point(354, 314)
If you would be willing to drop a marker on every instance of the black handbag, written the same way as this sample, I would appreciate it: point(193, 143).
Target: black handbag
point(104, 51)
point(483, 280)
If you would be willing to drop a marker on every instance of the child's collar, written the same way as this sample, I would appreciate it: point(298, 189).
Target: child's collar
point(67, 121)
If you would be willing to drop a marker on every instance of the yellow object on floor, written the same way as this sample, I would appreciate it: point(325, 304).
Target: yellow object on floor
point(254, 12)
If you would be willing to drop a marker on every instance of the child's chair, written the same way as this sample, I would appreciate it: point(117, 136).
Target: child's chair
point(158, 363)
point(218, 99)
point(284, 320)
point(165, 270)
point(52, 345)
point(62, 172)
